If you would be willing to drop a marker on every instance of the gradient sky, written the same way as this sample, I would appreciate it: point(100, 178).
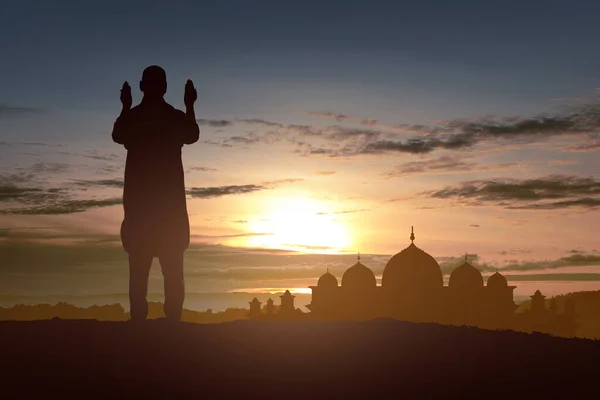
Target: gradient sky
point(327, 128)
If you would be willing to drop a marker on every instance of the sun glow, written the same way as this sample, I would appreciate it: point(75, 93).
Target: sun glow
point(300, 224)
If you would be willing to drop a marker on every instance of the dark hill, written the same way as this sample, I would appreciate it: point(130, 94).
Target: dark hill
point(247, 359)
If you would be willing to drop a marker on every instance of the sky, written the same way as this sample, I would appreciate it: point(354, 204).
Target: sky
point(326, 129)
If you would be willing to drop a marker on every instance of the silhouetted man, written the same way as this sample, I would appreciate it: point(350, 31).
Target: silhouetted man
point(156, 221)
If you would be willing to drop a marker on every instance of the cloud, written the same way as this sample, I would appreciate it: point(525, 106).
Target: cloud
point(329, 114)
point(8, 110)
point(515, 251)
point(94, 263)
point(280, 181)
point(448, 264)
point(63, 207)
point(243, 139)
point(547, 193)
point(258, 121)
point(463, 134)
point(216, 123)
point(590, 145)
point(422, 145)
point(344, 212)
point(53, 168)
point(22, 195)
point(218, 191)
point(205, 169)
point(474, 226)
point(324, 172)
point(112, 183)
point(12, 144)
point(458, 134)
point(567, 99)
point(443, 165)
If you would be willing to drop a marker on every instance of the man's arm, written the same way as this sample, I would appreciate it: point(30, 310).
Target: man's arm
point(191, 131)
point(120, 128)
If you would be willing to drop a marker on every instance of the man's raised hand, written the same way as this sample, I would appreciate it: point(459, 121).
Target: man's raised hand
point(190, 95)
point(126, 99)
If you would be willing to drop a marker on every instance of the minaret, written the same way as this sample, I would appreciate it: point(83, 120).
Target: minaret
point(538, 304)
point(254, 309)
point(287, 303)
point(270, 308)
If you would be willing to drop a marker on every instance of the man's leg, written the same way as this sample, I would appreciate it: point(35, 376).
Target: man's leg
point(139, 269)
point(172, 269)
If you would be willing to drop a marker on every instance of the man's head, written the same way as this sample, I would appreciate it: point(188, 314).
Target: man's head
point(154, 82)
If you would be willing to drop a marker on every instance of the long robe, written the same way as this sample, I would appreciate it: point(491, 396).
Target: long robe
point(156, 220)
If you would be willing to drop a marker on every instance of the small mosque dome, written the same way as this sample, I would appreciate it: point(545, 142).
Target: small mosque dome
point(327, 280)
point(465, 276)
point(412, 269)
point(497, 280)
point(358, 277)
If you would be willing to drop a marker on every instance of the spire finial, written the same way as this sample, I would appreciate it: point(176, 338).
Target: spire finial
point(327, 269)
point(359, 256)
point(412, 235)
point(466, 257)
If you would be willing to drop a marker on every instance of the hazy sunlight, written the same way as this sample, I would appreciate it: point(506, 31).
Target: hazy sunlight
point(301, 224)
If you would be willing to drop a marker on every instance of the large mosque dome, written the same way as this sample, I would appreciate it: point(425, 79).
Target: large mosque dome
point(466, 277)
point(412, 269)
point(359, 277)
point(497, 280)
point(327, 280)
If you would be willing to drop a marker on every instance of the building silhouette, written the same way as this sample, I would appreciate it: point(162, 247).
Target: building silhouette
point(286, 311)
point(412, 289)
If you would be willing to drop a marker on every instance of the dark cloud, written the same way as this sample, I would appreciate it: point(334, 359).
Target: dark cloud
point(112, 183)
point(12, 193)
point(422, 145)
point(218, 191)
point(463, 134)
point(216, 123)
point(244, 139)
point(342, 117)
point(552, 192)
point(590, 145)
point(63, 207)
point(8, 110)
point(258, 121)
point(205, 169)
point(11, 144)
point(442, 165)
point(49, 167)
point(329, 114)
point(95, 155)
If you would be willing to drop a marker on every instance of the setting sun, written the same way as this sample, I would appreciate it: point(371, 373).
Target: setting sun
point(301, 224)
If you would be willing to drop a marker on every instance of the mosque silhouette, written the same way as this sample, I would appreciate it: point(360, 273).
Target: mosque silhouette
point(412, 289)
